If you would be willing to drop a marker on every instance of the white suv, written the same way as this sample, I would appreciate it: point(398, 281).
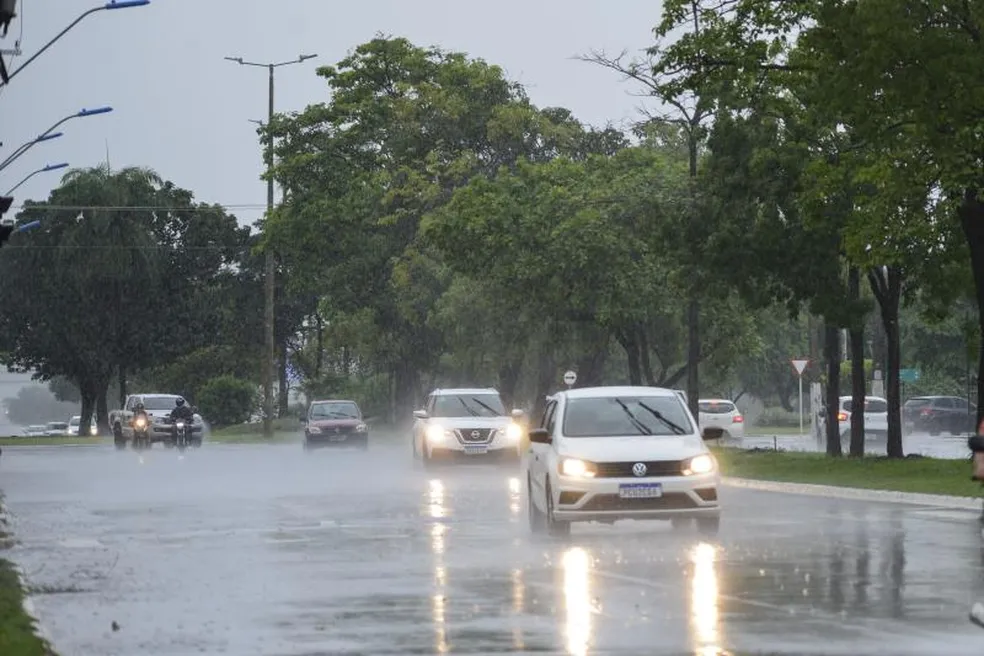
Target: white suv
point(466, 423)
point(610, 453)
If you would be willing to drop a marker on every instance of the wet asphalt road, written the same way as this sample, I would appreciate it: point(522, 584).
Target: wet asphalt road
point(267, 550)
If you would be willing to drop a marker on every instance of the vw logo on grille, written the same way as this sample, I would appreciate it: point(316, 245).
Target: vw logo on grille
point(475, 435)
point(639, 469)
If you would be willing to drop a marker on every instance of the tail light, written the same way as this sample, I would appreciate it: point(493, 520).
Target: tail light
point(841, 416)
point(737, 419)
point(926, 412)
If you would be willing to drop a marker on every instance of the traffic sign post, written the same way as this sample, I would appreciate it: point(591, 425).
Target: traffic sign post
point(570, 378)
point(800, 367)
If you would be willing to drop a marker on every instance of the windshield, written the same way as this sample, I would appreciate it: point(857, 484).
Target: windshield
point(870, 405)
point(716, 407)
point(917, 403)
point(160, 402)
point(335, 410)
point(57, 425)
point(75, 421)
point(613, 417)
point(468, 405)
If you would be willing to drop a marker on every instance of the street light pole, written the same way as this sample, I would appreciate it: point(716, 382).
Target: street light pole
point(269, 260)
point(113, 4)
point(44, 169)
point(49, 134)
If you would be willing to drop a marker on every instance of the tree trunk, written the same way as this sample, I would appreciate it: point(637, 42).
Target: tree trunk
point(283, 394)
point(831, 352)
point(319, 360)
point(886, 284)
point(509, 372)
point(693, 354)
point(102, 410)
point(545, 371)
point(971, 214)
point(88, 407)
point(628, 341)
point(123, 393)
point(858, 391)
point(644, 359)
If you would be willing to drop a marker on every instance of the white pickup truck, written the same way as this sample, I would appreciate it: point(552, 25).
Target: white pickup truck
point(158, 408)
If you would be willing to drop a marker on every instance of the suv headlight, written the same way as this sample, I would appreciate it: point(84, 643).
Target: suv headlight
point(361, 428)
point(576, 468)
point(702, 464)
point(513, 432)
point(313, 430)
point(435, 433)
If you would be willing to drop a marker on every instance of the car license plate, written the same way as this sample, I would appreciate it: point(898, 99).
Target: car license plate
point(338, 438)
point(640, 490)
point(476, 450)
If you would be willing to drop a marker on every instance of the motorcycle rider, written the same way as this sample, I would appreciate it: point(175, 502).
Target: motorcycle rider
point(181, 412)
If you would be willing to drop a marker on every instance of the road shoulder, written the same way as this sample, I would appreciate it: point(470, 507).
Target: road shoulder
point(860, 494)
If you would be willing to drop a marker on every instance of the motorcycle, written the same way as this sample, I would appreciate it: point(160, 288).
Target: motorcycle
point(141, 432)
point(181, 434)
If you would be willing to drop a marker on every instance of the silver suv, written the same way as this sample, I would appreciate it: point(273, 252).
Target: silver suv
point(468, 424)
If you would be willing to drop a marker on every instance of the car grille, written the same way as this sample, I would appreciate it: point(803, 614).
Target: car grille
point(612, 502)
point(474, 435)
point(653, 468)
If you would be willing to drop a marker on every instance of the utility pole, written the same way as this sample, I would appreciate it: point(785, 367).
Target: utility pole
point(269, 261)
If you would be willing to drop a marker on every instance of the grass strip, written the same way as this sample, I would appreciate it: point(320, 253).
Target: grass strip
point(918, 474)
point(53, 441)
point(18, 634)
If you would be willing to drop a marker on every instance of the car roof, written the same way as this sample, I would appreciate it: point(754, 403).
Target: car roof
point(715, 401)
point(873, 398)
point(608, 392)
point(159, 396)
point(464, 390)
point(333, 401)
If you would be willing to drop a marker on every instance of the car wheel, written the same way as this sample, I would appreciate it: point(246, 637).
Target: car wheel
point(118, 438)
point(538, 523)
point(709, 526)
point(555, 527)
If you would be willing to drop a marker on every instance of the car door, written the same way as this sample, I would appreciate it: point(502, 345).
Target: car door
point(539, 453)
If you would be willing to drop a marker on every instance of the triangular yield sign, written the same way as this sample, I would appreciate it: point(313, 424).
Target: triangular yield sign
point(800, 366)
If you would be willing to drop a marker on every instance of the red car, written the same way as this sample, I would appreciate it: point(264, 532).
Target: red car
point(335, 423)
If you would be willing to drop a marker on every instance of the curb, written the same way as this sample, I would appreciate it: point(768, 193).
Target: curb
point(859, 494)
point(31, 610)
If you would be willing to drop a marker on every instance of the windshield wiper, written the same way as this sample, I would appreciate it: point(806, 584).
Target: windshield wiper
point(495, 413)
point(659, 415)
point(641, 427)
point(470, 410)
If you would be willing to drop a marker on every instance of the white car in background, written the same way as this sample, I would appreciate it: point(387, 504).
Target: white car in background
point(719, 418)
point(610, 453)
point(73, 426)
point(875, 416)
point(466, 423)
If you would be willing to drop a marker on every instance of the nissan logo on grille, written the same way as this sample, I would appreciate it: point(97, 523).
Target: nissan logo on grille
point(639, 469)
point(475, 435)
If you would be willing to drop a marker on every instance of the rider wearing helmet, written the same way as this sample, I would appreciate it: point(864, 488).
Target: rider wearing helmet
point(181, 412)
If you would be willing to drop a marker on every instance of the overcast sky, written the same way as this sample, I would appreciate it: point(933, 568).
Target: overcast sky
point(184, 111)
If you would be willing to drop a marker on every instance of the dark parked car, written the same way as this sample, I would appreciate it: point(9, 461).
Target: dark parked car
point(335, 423)
point(939, 414)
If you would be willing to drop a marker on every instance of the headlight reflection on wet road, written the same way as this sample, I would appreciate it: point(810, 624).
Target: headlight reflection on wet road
point(519, 605)
point(438, 600)
point(436, 499)
point(577, 599)
point(514, 496)
point(704, 601)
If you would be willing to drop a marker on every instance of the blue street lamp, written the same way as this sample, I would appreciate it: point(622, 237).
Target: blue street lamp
point(115, 4)
point(44, 169)
point(47, 134)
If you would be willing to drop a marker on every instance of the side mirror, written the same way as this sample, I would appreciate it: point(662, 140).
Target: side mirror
point(518, 414)
point(420, 414)
point(540, 436)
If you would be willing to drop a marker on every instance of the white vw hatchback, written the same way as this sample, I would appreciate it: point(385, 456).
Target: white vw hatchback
point(610, 453)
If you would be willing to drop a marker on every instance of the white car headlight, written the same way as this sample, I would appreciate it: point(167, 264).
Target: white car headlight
point(513, 432)
point(576, 468)
point(361, 428)
point(435, 433)
point(314, 430)
point(702, 464)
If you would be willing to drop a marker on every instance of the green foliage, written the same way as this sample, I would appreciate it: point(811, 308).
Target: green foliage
point(227, 400)
point(17, 629)
point(778, 418)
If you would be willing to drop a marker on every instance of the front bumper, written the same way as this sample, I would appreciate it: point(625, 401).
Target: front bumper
point(336, 439)
point(503, 454)
point(585, 500)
